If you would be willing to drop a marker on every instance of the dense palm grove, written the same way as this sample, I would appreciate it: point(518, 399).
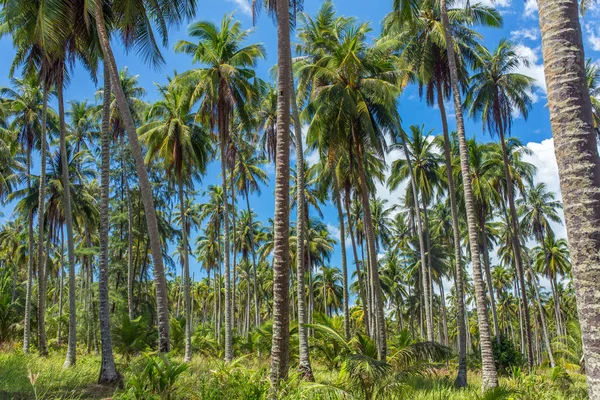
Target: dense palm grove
point(462, 279)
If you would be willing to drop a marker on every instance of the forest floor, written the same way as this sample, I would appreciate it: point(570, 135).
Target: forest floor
point(33, 377)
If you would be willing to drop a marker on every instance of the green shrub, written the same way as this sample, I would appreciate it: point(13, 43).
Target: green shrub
point(506, 355)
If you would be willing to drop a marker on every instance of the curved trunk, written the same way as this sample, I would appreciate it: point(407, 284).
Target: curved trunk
point(162, 306)
point(461, 377)
point(108, 369)
point(281, 253)
point(42, 278)
point(61, 287)
point(304, 366)
point(187, 297)
point(489, 373)
point(30, 245)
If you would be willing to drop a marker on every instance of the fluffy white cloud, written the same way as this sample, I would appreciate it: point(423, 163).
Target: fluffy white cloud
point(593, 35)
point(547, 172)
point(531, 8)
point(243, 6)
point(526, 33)
point(334, 231)
point(535, 69)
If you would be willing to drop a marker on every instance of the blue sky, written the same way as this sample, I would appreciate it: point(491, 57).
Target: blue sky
point(520, 25)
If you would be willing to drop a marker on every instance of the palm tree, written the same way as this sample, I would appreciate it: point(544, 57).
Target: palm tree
point(183, 148)
point(489, 373)
point(224, 85)
point(496, 92)
point(108, 369)
point(133, 94)
point(369, 83)
point(423, 51)
point(138, 33)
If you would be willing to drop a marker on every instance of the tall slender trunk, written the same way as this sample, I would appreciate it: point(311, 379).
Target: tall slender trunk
point(162, 306)
point(489, 373)
point(444, 316)
point(233, 248)
point(108, 369)
point(516, 242)
point(130, 271)
point(254, 277)
point(338, 203)
point(281, 264)
point(488, 275)
point(430, 291)
point(72, 341)
point(42, 278)
point(380, 333)
point(422, 248)
point(461, 377)
point(30, 257)
point(304, 366)
point(187, 297)
point(61, 286)
point(542, 316)
point(361, 286)
point(223, 132)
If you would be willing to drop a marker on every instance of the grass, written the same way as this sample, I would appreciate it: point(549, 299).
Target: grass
point(247, 378)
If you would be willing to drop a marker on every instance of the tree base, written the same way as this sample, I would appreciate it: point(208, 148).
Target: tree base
point(306, 372)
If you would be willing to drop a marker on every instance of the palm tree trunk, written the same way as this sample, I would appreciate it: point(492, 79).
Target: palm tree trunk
point(338, 203)
point(72, 341)
point(254, 277)
point(488, 274)
point(108, 369)
point(444, 316)
point(461, 377)
point(422, 249)
point(130, 271)
point(361, 286)
point(380, 333)
point(233, 248)
point(304, 366)
point(515, 238)
point(61, 287)
point(186, 276)
point(42, 278)
point(281, 254)
point(162, 306)
point(489, 373)
point(429, 292)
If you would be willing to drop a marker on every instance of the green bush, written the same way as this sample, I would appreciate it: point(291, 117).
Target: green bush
point(506, 355)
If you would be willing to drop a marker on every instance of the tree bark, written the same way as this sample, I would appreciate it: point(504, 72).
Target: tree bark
point(489, 373)
point(130, 271)
point(108, 369)
point(187, 297)
point(578, 165)
point(42, 278)
point(281, 256)
point(72, 341)
point(304, 366)
point(338, 204)
point(488, 275)
point(461, 377)
point(254, 277)
point(162, 306)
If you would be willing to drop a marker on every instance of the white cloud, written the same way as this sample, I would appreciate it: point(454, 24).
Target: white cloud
point(593, 35)
point(526, 33)
point(243, 6)
point(334, 231)
point(531, 8)
point(535, 68)
point(547, 172)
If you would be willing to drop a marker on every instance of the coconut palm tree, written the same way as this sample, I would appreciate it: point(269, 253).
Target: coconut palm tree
point(108, 369)
point(369, 83)
point(139, 33)
point(225, 84)
point(489, 373)
point(183, 148)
